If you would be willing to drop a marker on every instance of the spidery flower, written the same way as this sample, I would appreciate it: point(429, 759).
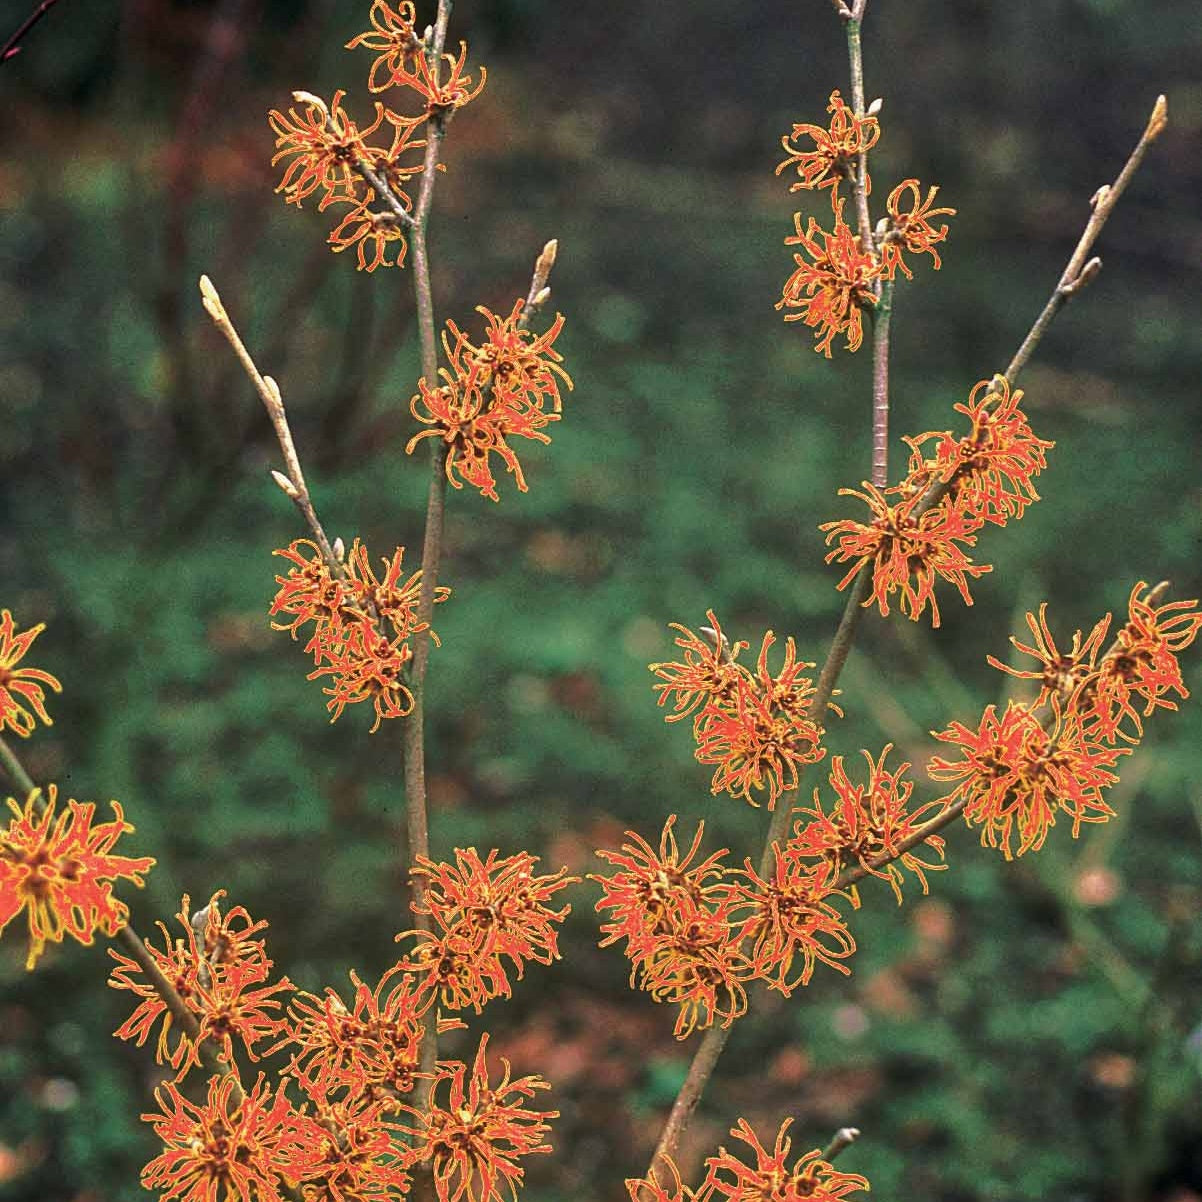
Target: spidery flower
point(371, 232)
point(498, 903)
point(834, 152)
point(753, 726)
point(220, 970)
point(59, 868)
point(442, 90)
point(790, 922)
point(393, 37)
point(1014, 776)
point(834, 281)
point(1141, 668)
point(491, 393)
point(22, 695)
point(476, 1139)
point(868, 823)
point(370, 1049)
point(909, 548)
point(662, 1184)
point(230, 1146)
point(362, 624)
point(449, 966)
point(353, 1156)
point(770, 1178)
point(911, 229)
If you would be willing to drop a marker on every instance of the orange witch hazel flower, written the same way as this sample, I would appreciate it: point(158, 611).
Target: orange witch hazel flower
point(770, 1178)
point(60, 869)
point(1015, 775)
point(911, 229)
point(476, 1140)
point(220, 970)
point(231, 1145)
point(833, 283)
point(22, 690)
point(492, 392)
point(754, 726)
point(362, 624)
point(870, 822)
point(835, 148)
point(920, 529)
point(393, 36)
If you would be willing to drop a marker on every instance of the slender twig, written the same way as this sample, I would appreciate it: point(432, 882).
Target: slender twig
point(1081, 269)
point(12, 47)
point(882, 316)
point(842, 1139)
point(293, 483)
point(851, 23)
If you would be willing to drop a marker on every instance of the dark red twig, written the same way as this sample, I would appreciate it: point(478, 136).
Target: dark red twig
point(12, 47)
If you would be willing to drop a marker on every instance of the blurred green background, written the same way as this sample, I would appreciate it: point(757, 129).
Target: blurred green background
point(1031, 1030)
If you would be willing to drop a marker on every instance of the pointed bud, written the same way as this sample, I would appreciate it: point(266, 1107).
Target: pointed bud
point(286, 485)
point(542, 298)
point(1158, 120)
point(1099, 196)
point(875, 107)
point(314, 101)
point(339, 549)
point(274, 389)
point(210, 299)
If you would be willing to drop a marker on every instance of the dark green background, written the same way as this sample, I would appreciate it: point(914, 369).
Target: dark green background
point(1001, 1040)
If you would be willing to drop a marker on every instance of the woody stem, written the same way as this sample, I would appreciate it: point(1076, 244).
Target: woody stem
point(417, 820)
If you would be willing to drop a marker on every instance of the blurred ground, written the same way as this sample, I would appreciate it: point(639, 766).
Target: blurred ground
point(1030, 1030)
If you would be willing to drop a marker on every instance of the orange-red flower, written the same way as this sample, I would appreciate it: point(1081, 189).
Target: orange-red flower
point(497, 903)
point(492, 392)
point(352, 1156)
point(753, 726)
point(476, 1139)
point(231, 1146)
point(835, 149)
point(830, 289)
point(790, 922)
point(369, 1049)
point(1142, 666)
point(869, 823)
point(770, 1178)
point(908, 547)
point(910, 228)
point(22, 696)
point(394, 38)
point(443, 88)
point(675, 916)
point(370, 232)
point(60, 870)
point(362, 624)
point(1059, 673)
point(449, 966)
point(523, 369)
point(220, 971)
point(321, 146)
point(989, 471)
point(1015, 776)
point(652, 1189)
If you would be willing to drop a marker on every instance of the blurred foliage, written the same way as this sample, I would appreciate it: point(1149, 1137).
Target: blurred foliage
point(1031, 1030)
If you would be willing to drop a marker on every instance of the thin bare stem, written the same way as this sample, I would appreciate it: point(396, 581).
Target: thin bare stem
point(882, 317)
point(12, 47)
point(851, 23)
point(293, 483)
point(1081, 270)
point(840, 1141)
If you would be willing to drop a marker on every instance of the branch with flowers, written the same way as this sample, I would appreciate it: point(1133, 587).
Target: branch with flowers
point(342, 1094)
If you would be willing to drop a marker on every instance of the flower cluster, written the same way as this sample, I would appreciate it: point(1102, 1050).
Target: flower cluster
point(1018, 770)
point(921, 530)
point(22, 695)
point(361, 1126)
point(755, 726)
point(220, 970)
point(484, 913)
point(59, 868)
point(506, 386)
point(838, 273)
point(362, 624)
point(327, 154)
point(762, 1177)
